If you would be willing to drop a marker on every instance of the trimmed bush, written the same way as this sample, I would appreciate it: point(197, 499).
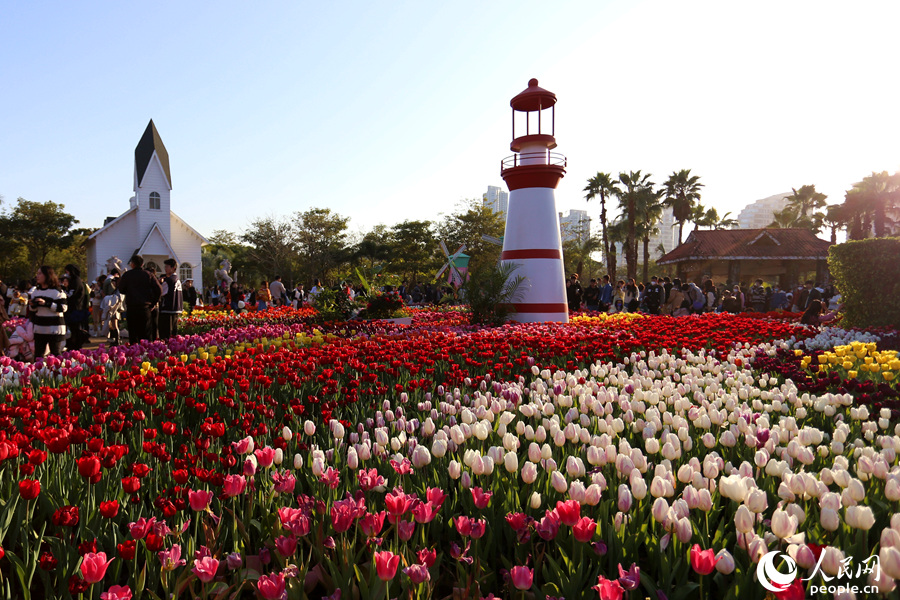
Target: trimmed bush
point(867, 275)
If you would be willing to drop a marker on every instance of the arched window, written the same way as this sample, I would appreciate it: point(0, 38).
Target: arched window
point(185, 272)
point(154, 200)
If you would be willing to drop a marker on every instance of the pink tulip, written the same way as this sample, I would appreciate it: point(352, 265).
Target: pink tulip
point(171, 558)
point(205, 568)
point(371, 524)
point(480, 497)
point(386, 564)
point(140, 528)
point(265, 456)
point(234, 485)
point(117, 592)
point(243, 446)
point(427, 556)
point(436, 496)
point(703, 561)
point(608, 589)
point(547, 528)
point(631, 578)
point(569, 512)
point(343, 513)
point(284, 482)
point(584, 529)
point(424, 512)
point(417, 573)
point(200, 499)
point(369, 479)
point(522, 577)
point(397, 503)
point(93, 567)
point(271, 587)
point(406, 530)
point(286, 545)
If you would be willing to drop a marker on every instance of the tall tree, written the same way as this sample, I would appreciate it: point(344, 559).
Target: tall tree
point(413, 249)
point(618, 234)
point(806, 204)
point(39, 227)
point(873, 205)
point(784, 219)
point(834, 220)
point(602, 186)
point(650, 210)
point(467, 225)
point(634, 186)
point(271, 240)
point(682, 192)
point(321, 239)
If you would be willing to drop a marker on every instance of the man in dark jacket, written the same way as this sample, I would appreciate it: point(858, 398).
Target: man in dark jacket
point(77, 316)
point(171, 304)
point(142, 291)
point(190, 295)
point(654, 296)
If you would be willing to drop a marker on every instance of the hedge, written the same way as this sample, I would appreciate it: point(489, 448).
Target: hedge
point(867, 275)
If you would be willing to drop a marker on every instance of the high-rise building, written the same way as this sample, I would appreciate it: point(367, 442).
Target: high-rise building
point(496, 199)
point(760, 214)
point(667, 236)
point(575, 225)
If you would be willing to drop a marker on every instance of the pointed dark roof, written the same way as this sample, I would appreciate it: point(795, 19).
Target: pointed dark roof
point(151, 141)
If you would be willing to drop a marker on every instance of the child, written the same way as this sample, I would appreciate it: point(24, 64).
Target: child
point(22, 342)
point(111, 307)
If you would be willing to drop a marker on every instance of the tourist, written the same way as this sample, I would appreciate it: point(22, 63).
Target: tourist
point(758, 296)
point(779, 299)
point(190, 295)
point(96, 301)
point(606, 293)
point(112, 308)
point(277, 293)
point(264, 296)
point(142, 291)
point(574, 292)
point(813, 314)
point(632, 297)
point(77, 315)
point(236, 297)
point(171, 303)
point(674, 300)
point(711, 295)
point(315, 290)
point(299, 296)
point(653, 296)
point(47, 309)
point(592, 296)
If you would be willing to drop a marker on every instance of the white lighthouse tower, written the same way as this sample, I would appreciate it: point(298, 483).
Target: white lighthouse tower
point(532, 238)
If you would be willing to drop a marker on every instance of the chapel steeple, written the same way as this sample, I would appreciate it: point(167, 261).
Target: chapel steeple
point(143, 155)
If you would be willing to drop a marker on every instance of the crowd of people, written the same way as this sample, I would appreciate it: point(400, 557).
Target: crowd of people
point(662, 295)
point(63, 312)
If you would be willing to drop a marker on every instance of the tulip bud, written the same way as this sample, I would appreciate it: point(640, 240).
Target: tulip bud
point(298, 461)
point(829, 519)
point(286, 433)
point(455, 469)
point(724, 562)
point(659, 510)
point(743, 519)
point(529, 472)
point(535, 501)
point(279, 456)
point(309, 428)
point(511, 462)
point(558, 481)
point(624, 498)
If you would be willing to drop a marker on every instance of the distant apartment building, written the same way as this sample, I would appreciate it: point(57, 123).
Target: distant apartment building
point(575, 226)
point(761, 213)
point(667, 238)
point(496, 199)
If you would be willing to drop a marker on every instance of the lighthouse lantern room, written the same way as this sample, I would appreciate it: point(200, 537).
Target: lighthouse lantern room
point(532, 240)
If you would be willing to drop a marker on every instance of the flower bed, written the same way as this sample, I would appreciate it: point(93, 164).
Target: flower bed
point(278, 459)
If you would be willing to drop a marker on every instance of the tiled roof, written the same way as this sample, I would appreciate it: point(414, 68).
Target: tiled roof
point(749, 244)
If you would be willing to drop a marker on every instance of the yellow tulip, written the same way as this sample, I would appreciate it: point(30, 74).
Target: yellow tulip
point(888, 375)
point(847, 365)
point(851, 374)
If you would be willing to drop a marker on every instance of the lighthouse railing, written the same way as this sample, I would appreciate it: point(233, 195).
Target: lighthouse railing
point(533, 158)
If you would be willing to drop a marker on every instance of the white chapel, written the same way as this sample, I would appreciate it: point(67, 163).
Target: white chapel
point(148, 227)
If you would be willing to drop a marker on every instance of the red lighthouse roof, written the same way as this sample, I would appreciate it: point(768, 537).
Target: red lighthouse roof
point(533, 98)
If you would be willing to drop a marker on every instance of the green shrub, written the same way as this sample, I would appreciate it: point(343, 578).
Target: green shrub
point(867, 275)
point(491, 291)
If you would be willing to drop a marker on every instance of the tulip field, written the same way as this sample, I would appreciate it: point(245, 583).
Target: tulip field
point(275, 456)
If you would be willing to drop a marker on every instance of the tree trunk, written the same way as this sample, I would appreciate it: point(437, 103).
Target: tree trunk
point(631, 242)
point(645, 273)
point(603, 228)
point(680, 230)
point(611, 265)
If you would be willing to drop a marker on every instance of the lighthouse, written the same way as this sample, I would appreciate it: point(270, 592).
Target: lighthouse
point(532, 239)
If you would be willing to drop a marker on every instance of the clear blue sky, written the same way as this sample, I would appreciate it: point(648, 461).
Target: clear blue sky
point(384, 111)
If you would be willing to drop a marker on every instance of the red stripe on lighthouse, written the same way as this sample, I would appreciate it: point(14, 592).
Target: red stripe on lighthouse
point(535, 307)
point(530, 253)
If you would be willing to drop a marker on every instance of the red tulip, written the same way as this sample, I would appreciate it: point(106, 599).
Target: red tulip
point(703, 561)
point(794, 591)
point(521, 577)
point(131, 484)
point(205, 568)
point(29, 489)
point(94, 565)
point(386, 565)
point(608, 589)
point(569, 512)
point(427, 556)
point(584, 529)
point(480, 497)
point(271, 587)
point(117, 592)
point(199, 499)
point(88, 466)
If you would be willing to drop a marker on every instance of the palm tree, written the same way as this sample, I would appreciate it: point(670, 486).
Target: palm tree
point(682, 191)
point(635, 186)
point(726, 222)
point(602, 185)
point(805, 205)
point(834, 219)
point(618, 234)
point(650, 210)
point(784, 219)
point(704, 217)
point(870, 202)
